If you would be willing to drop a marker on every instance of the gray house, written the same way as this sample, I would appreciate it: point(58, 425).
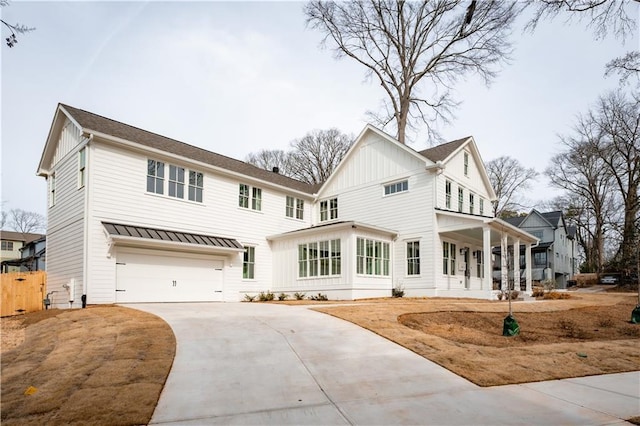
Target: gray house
point(555, 257)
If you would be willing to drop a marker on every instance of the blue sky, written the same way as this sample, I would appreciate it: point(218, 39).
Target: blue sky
point(238, 77)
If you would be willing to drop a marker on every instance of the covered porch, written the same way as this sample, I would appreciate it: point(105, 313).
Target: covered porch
point(467, 242)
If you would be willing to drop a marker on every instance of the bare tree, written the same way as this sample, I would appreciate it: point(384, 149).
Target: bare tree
point(270, 159)
point(27, 222)
point(417, 50)
point(311, 159)
point(603, 17)
point(12, 40)
point(617, 116)
point(509, 179)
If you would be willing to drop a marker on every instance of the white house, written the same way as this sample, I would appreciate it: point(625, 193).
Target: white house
point(138, 217)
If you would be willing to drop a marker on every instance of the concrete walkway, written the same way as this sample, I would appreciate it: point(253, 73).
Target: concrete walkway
point(254, 363)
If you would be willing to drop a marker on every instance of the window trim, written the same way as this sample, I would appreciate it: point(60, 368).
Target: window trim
point(52, 189)
point(6, 245)
point(294, 208)
point(176, 184)
point(329, 209)
point(367, 260)
point(472, 203)
point(395, 187)
point(460, 199)
point(249, 197)
point(318, 256)
point(197, 189)
point(413, 262)
point(466, 163)
point(82, 167)
point(447, 194)
point(249, 263)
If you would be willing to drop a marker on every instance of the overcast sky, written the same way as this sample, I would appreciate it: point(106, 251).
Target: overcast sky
point(238, 77)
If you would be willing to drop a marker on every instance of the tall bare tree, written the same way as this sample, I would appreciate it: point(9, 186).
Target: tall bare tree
point(27, 222)
point(311, 158)
point(417, 50)
point(603, 17)
point(510, 179)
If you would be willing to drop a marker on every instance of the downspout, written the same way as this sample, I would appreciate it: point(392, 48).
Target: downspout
point(85, 251)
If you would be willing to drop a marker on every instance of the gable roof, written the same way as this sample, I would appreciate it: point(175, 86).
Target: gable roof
point(515, 221)
point(553, 217)
point(443, 151)
point(19, 236)
point(97, 124)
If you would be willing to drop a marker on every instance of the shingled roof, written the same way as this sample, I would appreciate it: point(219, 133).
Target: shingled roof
point(93, 122)
point(441, 152)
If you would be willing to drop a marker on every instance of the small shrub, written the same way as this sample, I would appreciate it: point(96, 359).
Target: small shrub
point(282, 296)
point(538, 292)
point(320, 297)
point(554, 295)
point(500, 295)
point(571, 329)
point(397, 292)
point(299, 296)
point(266, 297)
point(249, 298)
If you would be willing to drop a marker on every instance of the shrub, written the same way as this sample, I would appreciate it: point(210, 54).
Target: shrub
point(500, 295)
point(571, 329)
point(249, 298)
point(397, 292)
point(320, 296)
point(299, 296)
point(554, 295)
point(282, 296)
point(537, 292)
point(266, 297)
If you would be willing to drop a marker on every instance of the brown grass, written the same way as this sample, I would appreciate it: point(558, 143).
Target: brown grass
point(465, 336)
point(100, 365)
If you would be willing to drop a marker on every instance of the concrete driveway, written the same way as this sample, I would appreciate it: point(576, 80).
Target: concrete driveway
point(255, 363)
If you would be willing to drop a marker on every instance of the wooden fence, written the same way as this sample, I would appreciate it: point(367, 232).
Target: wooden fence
point(22, 292)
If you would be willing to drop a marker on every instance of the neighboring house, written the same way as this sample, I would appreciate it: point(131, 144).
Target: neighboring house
point(138, 217)
point(555, 257)
point(12, 245)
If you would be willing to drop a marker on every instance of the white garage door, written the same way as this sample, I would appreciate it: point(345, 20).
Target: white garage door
point(166, 277)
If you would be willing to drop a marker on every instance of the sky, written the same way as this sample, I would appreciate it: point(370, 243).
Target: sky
point(238, 77)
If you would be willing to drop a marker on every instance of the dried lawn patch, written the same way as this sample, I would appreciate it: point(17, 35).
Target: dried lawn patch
point(100, 365)
point(465, 336)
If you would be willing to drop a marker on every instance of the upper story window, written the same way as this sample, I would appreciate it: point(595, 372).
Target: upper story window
point(538, 234)
point(176, 181)
point(481, 206)
point(82, 165)
point(329, 209)
point(155, 176)
point(294, 207)
point(472, 203)
point(413, 258)
point(447, 194)
point(248, 195)
point(372, 257)
point(393, 188)
point(196, 184)
point(466, 164)
point(7, 245)
point(52, 190)
point(460, 199)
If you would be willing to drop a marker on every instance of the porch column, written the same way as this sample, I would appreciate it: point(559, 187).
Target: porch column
point(487, 281)
point(516, 265)
point(528, 260)
point(504, 267)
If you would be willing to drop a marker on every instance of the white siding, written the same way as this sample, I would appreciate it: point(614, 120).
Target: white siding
point(65, 222)
point(118, 185)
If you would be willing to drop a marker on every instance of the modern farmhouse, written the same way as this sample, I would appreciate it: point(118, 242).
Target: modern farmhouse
point(137, 217)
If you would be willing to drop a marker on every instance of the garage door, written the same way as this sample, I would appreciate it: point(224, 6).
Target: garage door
point(166, 277)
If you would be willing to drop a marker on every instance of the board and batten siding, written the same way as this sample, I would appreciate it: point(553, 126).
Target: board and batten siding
point(359, 186)
point(65, 221)
point(118, 183)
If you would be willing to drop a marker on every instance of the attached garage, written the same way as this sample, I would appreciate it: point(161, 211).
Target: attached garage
point(145, 276)
point(155, 265)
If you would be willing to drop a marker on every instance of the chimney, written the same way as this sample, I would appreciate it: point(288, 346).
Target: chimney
point(275, 170)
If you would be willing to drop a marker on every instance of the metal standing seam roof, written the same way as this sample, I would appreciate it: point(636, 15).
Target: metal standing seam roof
point(97, 123)
point(172, 236)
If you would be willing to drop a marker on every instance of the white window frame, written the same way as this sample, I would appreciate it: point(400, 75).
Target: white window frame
point(196, 186)
point(158, 180)
point(372, 257)
point(294, 208)
point(7, 245)
point(249, 263)
point(472, 203)
point(243, 195)
point(413, 258)
point(82, 167)
point(479, 263)
point(176, 181)
point(448, 258)
point(447, 194)
point(481, 206)
point(249, 196)
point(460, 199)
point(396, 187)
point(329, 209)
point(320, 259)
point(256, 199)
point(466, 164)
